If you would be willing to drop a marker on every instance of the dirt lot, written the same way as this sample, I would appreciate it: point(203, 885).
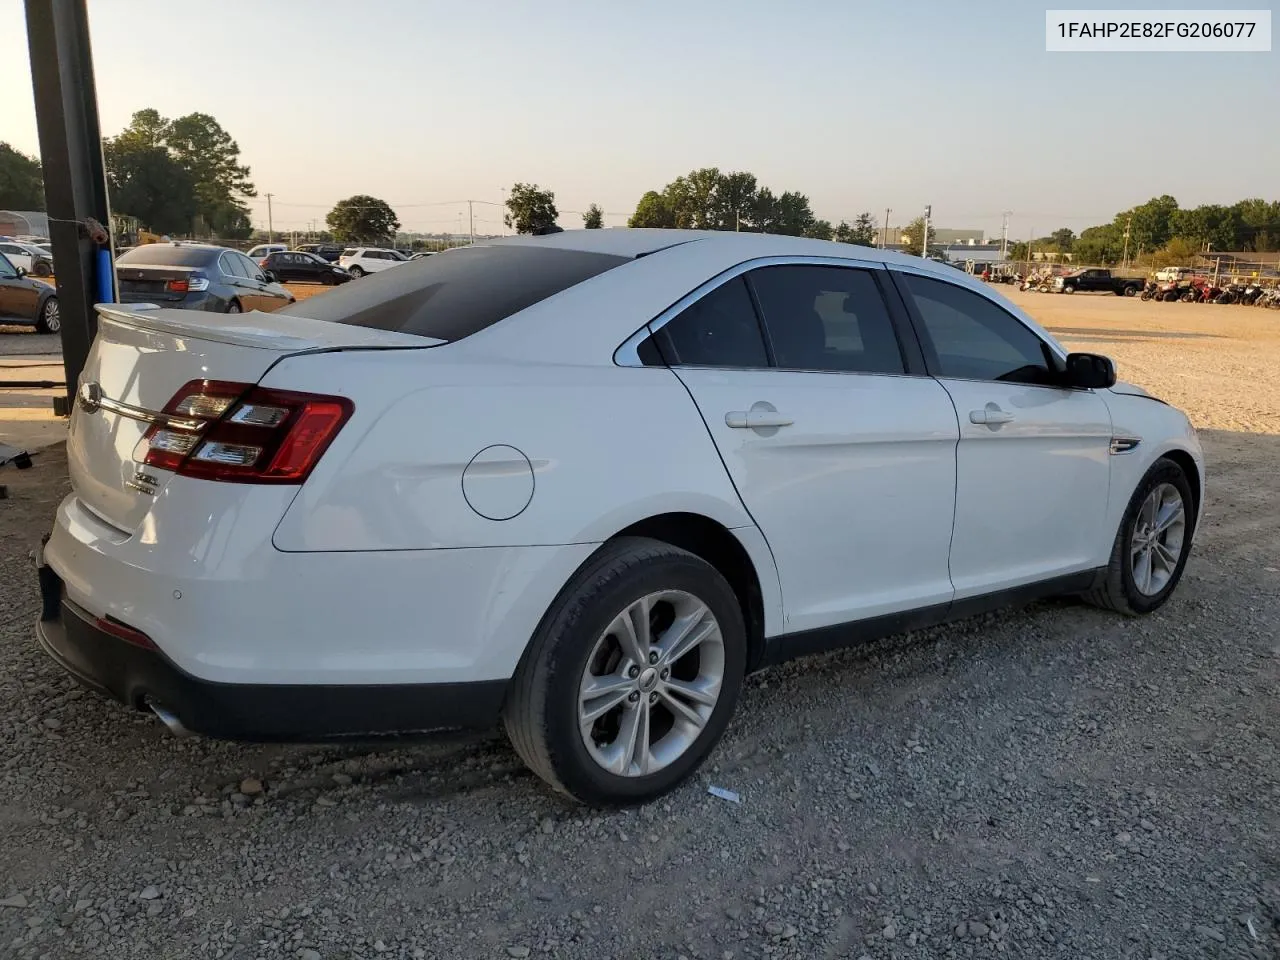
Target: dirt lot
point(1052, 782)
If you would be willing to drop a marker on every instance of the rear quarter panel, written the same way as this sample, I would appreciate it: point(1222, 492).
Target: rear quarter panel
point(605, 447)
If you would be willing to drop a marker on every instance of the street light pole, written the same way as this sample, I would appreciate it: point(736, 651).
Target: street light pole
point(884, 237)
point(924, 243)
point(271, 233)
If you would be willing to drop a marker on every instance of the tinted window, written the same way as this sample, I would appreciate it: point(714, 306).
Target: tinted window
point(7, 270)
point(974, 338)
point(249, 267)
point(719, 330)
point(349, 252)
point(455, 294)
point(164, 255)
point(827, 318)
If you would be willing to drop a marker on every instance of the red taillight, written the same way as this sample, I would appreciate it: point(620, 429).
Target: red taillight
point(241, 433)
point(177, 286)
point(125, 632)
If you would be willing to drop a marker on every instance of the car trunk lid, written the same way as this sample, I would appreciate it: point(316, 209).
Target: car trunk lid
point(142, 356)
point(153, 282)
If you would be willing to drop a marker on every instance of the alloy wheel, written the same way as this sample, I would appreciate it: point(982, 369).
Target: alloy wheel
point(1158, 533)
point(52, 316)
point(651, 683)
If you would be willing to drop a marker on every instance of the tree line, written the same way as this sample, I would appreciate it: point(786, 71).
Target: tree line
point(1162, 229)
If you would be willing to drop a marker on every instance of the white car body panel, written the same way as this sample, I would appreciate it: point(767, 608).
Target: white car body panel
point(369, 264)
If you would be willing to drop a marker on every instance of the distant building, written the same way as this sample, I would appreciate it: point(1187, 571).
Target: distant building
point(943, 235)
point(977, 252)
point(24, 223)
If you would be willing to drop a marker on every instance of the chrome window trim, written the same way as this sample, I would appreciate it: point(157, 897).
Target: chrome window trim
point(224, 266)
point(627, 355)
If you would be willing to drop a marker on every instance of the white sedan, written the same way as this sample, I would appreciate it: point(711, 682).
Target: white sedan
point(582, 484)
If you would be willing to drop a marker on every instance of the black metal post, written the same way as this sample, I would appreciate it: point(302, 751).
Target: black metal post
point(75, 184)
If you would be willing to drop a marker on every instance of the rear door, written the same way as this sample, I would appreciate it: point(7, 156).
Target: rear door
point(1033, 462)
point(842, 453)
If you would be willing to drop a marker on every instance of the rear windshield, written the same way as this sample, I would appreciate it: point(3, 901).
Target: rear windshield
point(459, 292)
point(161, 255)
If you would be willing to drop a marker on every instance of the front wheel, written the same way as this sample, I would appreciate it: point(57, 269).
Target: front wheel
point(50, 319)
point(632, 676)
point(1152, 545)
point(1130, 291)
point(1068, 289)
point(233, 306)
point(356, 273)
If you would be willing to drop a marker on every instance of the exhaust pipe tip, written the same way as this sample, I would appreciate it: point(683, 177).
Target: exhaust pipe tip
point(168, 718)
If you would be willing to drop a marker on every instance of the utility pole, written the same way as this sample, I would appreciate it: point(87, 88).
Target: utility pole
point(75, 181)
point(737, 221)
point(271, 234)
point(884, 237)
point(1004, 235)
point(472, 216)
point(1127, 224)
point(924, 241)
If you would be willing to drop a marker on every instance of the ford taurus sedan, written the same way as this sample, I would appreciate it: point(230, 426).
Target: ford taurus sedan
point(581, 485)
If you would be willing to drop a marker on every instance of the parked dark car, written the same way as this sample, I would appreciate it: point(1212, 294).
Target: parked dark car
point(197, 276)
point(27, 301)
point(329, 252)
point(294, 266)
point(1097, 280)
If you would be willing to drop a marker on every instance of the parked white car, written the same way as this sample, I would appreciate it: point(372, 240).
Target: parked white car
point(264, 250)
point(1167, 274)
point(360, 261)
point(28, 256)
point(581, 485)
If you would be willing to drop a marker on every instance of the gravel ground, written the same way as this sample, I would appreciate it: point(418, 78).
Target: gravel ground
point(1051, 782)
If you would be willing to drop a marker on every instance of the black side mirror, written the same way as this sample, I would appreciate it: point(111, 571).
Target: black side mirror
point(22, 272)
point(1090, 371)
point(270, 275)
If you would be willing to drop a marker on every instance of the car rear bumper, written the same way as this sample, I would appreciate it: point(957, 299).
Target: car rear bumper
point(144, 678)
point(201, 577)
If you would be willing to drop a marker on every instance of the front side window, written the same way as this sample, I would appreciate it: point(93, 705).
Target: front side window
point(974, 338)
point(7, 270)
point(827, 318)
point(719, 330)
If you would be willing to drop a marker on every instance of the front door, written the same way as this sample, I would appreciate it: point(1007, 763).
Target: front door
point(846, 463)
point(1032, 465)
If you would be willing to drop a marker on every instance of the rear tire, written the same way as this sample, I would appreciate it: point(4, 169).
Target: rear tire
point(1068, 289)
point(1130, 291)
point(582, 644)
point(1131, 586)
point(234, 307)
point(50, 319)
point(42, 269)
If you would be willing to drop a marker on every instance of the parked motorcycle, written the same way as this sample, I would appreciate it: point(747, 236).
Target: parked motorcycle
point(1149, 290)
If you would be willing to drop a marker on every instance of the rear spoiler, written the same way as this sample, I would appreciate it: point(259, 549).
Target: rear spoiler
point(256, 330)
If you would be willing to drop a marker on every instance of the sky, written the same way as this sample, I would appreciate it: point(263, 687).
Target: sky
point(860, 106)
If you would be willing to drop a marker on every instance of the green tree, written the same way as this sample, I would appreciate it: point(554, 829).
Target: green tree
point(1101, 245)
point(1150, 224)
point(653, 210)
point(912, 234)
point(530, 208)
point(593, 219)
point(863, 231)
point(820, 230)
point(206, 153)
point(21, 180)
point(1063, 239)
point(145, 181)
point(362, 219)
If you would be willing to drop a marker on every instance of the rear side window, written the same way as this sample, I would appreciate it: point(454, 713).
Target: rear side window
point(165, 255)
point(827, 318)
point(718, 330)
point(350, 252)
point(458, 293)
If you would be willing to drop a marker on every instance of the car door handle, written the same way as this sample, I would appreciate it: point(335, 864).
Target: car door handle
point(991, 415)
point(755, 419)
